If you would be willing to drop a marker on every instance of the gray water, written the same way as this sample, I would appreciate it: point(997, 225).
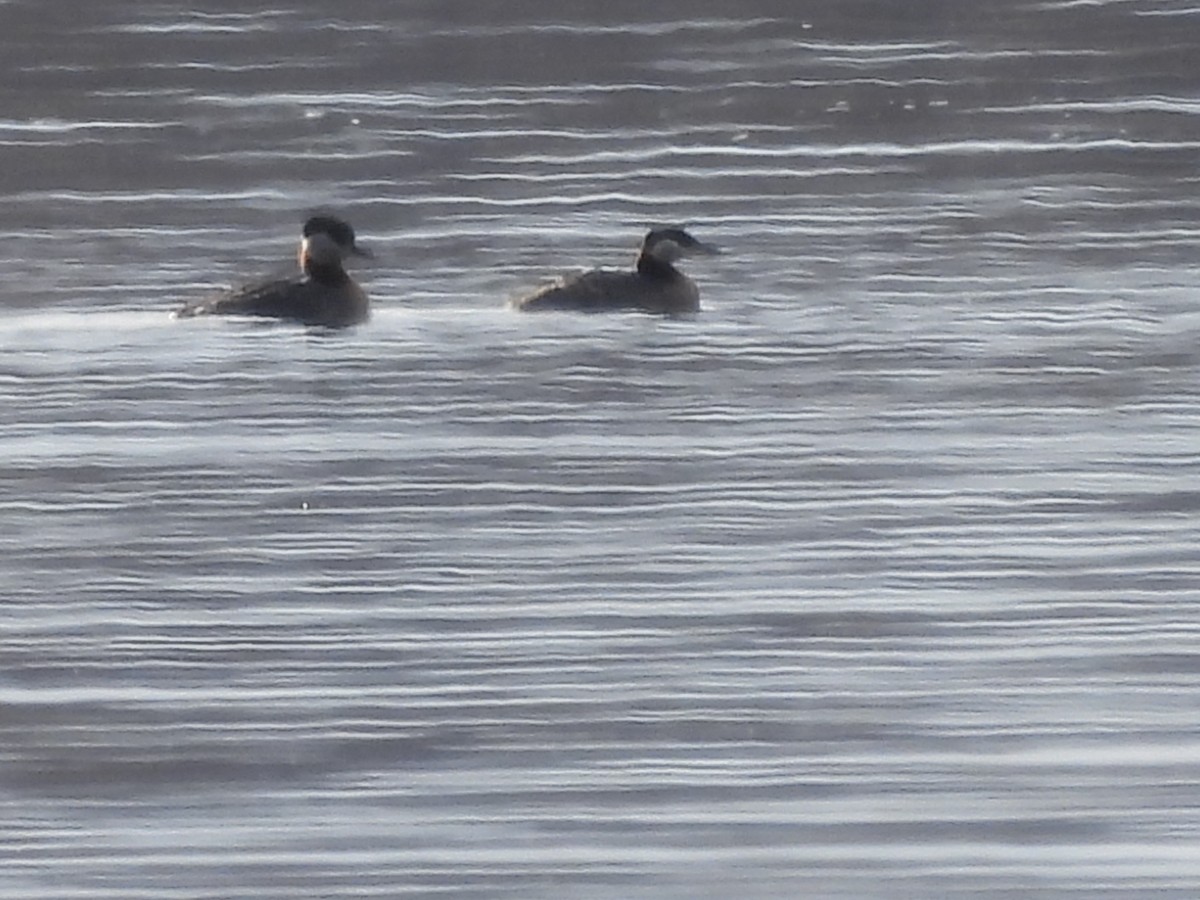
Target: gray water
point(876, 579)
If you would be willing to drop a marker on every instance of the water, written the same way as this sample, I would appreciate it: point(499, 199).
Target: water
point(877, 579)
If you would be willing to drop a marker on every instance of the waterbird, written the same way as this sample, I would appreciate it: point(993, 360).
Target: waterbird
point(654, 286)
point(323, 294)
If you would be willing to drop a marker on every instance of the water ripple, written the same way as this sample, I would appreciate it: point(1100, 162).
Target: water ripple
point(874, 579)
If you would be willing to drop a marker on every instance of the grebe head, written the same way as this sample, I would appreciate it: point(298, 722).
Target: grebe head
point(326, 242)
point(669, 245)
point(338, 231)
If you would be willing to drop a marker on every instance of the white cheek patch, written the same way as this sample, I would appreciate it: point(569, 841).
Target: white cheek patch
point(668, 250)
point(321, 249)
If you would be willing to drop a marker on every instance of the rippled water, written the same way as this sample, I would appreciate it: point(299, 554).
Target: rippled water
point(877, 579)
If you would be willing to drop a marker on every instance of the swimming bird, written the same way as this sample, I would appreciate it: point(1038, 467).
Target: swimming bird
point(323, 293)
point(655, 285)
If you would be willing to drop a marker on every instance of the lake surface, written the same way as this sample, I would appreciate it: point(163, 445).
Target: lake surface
point(877, 579)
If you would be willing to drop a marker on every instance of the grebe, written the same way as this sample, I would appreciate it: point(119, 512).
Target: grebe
point(323, 294)
point(655, 285)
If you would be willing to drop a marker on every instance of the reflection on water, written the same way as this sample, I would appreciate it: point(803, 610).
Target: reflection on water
point(874, 580)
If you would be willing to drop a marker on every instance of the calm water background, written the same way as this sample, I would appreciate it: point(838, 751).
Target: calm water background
point(877, 579)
